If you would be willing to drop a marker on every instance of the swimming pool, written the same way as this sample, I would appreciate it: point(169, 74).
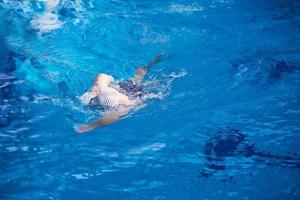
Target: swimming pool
point(226, 125)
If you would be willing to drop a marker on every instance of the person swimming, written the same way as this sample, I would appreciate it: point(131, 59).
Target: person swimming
point(115, 97)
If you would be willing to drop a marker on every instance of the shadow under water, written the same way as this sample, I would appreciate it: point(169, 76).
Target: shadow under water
point(231, 142)
point(10, 95)
point(263, 70)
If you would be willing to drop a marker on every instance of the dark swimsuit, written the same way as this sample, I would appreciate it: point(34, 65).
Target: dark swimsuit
point(131, 88)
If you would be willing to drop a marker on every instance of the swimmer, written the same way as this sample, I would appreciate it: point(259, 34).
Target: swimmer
point(117, 98)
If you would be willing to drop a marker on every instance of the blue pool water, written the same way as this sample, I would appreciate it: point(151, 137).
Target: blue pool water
point(225, 125)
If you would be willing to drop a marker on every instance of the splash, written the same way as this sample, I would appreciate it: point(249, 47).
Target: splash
point(160, 88)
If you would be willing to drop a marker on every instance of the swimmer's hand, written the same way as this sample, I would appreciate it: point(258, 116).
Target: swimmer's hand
point(156, 60)
point(84, 128)
point(141, 71)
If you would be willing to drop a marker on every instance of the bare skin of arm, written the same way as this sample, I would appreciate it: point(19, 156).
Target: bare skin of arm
point(142, 71)
point(108, 119)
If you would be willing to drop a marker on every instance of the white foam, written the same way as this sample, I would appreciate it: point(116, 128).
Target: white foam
point(151, 37)
point(155, 38)
point(51, 4)
point(184, 9)
point(18, 5)
point(46, 22)
point(12, 149)
point(81, 176)
point(38, 98)
point(6, 136)
point(152, 147)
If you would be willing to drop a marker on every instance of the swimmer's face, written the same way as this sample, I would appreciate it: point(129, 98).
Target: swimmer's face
point(103, 80)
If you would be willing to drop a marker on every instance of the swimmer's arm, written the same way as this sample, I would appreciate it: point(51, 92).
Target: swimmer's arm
point(155, 60)
point(142, 71)
point(108, 119)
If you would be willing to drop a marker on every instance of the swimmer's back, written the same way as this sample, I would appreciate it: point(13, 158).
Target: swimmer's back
point(131, 88)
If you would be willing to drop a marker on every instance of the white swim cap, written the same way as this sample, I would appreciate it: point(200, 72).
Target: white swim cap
point(108, 100)
point(87, 97)
point(103, 79)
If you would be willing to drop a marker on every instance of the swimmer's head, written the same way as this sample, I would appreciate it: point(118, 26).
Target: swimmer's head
point(103, 80)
